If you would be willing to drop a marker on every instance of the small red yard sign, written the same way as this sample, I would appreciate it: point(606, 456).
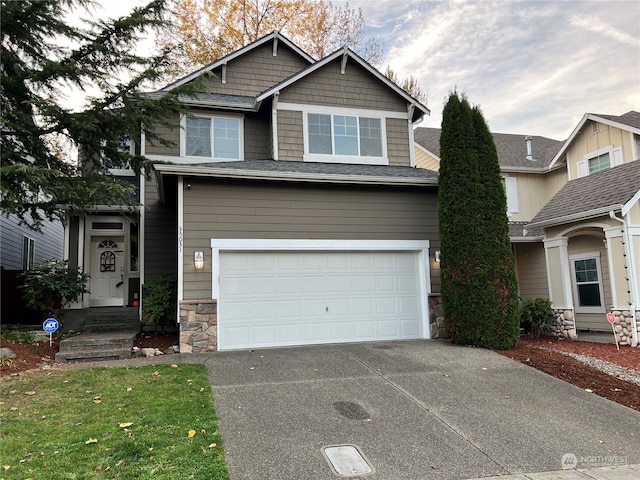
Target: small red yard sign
point(612, 319)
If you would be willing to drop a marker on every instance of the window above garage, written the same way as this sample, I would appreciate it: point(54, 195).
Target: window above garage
point(345, 136)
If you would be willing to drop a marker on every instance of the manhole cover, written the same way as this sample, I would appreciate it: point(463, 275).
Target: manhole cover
point(351, 410)
point(347, 461)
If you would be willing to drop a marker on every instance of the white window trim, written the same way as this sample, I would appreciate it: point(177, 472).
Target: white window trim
point(352, 112)
point(195, 159)
point(584, 256)
point(511, 191)
point(615, 159)
point(29, 253)
point(126, 171)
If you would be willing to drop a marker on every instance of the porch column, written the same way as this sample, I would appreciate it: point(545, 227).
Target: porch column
point(560, 292)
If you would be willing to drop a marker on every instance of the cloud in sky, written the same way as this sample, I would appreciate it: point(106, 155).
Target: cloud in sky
point(534, 67)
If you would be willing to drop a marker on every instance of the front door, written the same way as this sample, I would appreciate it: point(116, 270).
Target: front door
point(106, 285)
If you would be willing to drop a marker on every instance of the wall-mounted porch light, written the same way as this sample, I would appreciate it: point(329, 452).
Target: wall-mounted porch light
point(198, 260)
point(438, 256)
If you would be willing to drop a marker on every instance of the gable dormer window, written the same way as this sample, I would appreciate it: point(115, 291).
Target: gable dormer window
point(344, 138)
point(212, 137)
point(600, 160)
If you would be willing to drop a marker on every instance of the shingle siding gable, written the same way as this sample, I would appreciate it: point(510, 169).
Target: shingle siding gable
point(356, 88)
point(255, 71)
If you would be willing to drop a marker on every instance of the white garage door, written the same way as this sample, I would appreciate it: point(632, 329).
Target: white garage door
point(298, 298)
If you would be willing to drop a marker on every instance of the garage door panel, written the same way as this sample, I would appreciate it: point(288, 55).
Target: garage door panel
point(297, 298)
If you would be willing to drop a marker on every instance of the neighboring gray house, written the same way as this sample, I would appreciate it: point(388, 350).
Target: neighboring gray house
point(20, 248)
point(289, 209)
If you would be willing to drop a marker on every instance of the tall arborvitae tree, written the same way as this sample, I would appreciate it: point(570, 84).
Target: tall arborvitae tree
point(44, 58)
point(479, 289)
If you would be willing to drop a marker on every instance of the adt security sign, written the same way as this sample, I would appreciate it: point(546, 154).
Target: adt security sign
point(50, 325)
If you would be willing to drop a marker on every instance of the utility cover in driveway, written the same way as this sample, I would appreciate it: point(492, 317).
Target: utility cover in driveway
point(300, 298)
point(347, 461)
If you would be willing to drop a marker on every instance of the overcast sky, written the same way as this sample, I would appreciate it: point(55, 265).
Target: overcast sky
point(534, 67)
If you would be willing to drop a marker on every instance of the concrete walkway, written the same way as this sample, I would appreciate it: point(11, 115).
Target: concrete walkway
point(413, 410)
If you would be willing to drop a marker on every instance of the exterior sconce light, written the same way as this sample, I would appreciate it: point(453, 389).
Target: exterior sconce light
point(198, 260)
point(438, 256)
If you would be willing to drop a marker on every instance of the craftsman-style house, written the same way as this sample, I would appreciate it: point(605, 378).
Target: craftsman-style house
point(288, 209)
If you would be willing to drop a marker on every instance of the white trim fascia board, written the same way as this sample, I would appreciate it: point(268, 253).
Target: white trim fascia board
point(427, 151)
point(565, 272)
point(292, 176)
point(180, 244)
point(536, 239)
point(576, 217)
point(264, 244)
point(613, 123)
point(105, 208)
point(634, 230)
point(612, 232)
point(569, 140)
point(352, 55)
point(612, 277)
point(523, 169)
point(576, 131)
point(412, 152)
point(330, 110)
point(236, 54)
point(626, 208)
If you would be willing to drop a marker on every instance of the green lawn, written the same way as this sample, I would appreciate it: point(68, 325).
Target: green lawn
point(153, 422)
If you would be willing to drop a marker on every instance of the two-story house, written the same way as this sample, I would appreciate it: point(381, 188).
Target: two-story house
point(289, 207)
point(592, 227)
point(574, 219)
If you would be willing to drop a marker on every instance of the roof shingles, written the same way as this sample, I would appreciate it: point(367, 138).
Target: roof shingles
point(609, 188)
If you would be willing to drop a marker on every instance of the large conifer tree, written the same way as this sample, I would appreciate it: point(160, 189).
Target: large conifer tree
point(45, 58)
point(479, 289)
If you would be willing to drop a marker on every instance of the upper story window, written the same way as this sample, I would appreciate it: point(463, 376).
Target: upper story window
point(213, 137)
point(511, 190)
point(115, 168)
point(344, 138)
point(600, 160)
point(599, 163)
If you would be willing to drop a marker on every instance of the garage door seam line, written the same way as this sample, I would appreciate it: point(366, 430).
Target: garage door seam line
point(424, 407)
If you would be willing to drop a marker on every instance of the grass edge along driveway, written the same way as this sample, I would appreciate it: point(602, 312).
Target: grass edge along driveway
point(99, 423)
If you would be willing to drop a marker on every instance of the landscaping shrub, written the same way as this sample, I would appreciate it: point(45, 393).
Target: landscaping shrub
point(536, 316)
point(160, 301)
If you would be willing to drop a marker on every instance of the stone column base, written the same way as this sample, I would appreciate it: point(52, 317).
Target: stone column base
point(198, 326)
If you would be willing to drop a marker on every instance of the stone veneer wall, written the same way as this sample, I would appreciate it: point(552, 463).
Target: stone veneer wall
point(198, 326)
point(436, 316)
point(623, 326)
point(564, 326)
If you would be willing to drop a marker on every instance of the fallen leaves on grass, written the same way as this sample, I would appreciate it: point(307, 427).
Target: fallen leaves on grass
point(91, 440)
point(192, 433)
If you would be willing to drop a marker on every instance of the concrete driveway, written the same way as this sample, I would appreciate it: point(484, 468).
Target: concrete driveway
point(414, 410)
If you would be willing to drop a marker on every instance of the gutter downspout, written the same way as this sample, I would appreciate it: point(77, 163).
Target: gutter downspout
point(631, 273)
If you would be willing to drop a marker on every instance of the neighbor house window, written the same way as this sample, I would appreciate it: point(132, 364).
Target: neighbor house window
point(599, 160)
point(511, 190)
point(344, 135)
point(213, 137)
point(28, 253)
point(599, 163)
point(587, 284)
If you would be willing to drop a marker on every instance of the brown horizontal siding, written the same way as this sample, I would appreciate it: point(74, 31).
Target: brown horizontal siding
point(160, 239)
point(357, 88)
point(229, 210)
point(256, 71)
point(532, 270)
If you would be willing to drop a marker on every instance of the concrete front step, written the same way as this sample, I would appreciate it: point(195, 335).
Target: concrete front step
point(111, 327)
point(96, 346)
